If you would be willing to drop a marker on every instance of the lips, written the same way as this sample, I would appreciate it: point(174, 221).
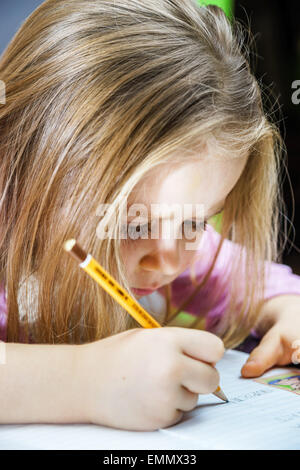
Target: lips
point(144, 291)
point(148, 288)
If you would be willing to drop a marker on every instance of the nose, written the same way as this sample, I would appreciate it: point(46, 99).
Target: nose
point(165, 258)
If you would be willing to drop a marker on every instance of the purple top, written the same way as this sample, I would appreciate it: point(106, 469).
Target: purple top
point(280, 280)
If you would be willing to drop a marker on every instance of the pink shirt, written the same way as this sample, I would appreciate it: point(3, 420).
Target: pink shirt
point(280, 280)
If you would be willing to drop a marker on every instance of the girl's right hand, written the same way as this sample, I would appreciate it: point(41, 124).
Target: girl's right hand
point(144, 379)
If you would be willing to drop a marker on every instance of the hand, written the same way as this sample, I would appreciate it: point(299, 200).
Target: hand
point(144, 379)
point(280, 321)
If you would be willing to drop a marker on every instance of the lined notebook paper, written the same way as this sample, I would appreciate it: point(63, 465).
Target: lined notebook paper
point(258, 416)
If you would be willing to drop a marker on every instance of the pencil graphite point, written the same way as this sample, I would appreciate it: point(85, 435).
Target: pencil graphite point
point(220, 394)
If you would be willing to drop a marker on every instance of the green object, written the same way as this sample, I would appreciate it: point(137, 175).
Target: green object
point(226, 5)
point(187, 320)
point(184, 319)
point(217, 222)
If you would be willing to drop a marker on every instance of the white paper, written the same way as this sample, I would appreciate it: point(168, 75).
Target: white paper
point(85, 437)
point(257, 417)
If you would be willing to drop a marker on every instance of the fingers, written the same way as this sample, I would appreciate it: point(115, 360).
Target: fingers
point(264, 356)
point(199, 377)
point(177, 416)
point(187, 400)
point(200, 345)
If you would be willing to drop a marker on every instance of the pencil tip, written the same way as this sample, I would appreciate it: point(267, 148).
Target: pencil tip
point(220, 394)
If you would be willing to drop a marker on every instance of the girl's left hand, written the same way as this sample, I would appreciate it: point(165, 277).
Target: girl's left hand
point(280, 345)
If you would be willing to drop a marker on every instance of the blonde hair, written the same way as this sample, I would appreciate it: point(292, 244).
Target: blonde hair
point(97, 93)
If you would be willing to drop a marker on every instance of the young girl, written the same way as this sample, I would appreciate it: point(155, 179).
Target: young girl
point(147, 102)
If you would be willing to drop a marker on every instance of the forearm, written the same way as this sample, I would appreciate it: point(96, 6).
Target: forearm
point(41, 384)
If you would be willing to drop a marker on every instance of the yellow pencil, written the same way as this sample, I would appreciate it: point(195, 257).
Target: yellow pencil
point(113, 288)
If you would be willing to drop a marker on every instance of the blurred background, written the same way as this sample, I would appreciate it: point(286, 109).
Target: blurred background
point(275, 63)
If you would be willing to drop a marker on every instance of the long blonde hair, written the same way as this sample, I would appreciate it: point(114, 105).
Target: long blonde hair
point(97, 93)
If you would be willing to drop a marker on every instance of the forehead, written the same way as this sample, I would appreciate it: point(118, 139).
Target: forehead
point(207, 181)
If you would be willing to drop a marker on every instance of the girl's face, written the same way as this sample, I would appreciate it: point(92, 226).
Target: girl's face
point(158, 259)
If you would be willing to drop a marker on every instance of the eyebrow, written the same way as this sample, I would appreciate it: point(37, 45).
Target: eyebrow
point(215, 212)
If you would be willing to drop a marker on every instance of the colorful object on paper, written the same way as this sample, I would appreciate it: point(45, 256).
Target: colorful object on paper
point(289, 382)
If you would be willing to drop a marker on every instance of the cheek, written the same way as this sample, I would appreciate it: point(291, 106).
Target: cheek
point(188, 257)
point(130, 256)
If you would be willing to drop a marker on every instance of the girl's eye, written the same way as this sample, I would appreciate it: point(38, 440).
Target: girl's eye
point(192, 226)
point(134, 232)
